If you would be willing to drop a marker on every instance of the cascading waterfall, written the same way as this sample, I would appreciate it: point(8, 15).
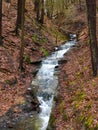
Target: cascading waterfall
point(48, 82)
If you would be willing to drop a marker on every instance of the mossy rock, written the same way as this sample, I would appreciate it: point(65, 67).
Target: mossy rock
point(51, 125)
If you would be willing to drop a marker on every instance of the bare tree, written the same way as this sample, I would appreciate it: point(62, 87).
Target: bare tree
point(0, 22)
point(37, 9)
point(22, 36)
point(19, 15)
point(91, 14)
point(42, 12)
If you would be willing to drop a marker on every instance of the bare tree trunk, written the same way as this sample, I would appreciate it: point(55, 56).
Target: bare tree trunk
point(22, 36)
point(91, 14)
point(0, 22)
point(37, 9)
point(19, 15)
point(42, 12)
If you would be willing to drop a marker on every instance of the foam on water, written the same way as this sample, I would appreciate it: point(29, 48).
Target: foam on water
point(48, 82)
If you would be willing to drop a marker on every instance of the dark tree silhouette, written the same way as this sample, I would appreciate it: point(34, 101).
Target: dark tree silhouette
point(0, 22)
point(22, 36)
point(91, 14)
point(37, 9)
point(19, 15)
point(42, 12)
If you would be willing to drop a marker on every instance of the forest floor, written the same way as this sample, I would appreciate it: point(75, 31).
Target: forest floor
point(77, 102)
point(76, 105)
point(39, 42)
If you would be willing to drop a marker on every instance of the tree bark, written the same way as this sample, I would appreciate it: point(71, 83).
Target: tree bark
point(37, 9)
point(0, 22)
point(91, 14)
point(42, 12)
point(22, 36)
point(19, 15)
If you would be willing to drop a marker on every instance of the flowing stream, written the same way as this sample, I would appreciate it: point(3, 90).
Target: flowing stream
point(47, 80)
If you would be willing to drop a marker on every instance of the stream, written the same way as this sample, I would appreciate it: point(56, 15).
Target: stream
point(47, 80)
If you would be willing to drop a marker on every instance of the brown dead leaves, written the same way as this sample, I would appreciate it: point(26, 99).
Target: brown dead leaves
point(79, 91)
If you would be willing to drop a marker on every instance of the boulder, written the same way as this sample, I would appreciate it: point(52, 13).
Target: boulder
point(38, 62)
point(62, 61)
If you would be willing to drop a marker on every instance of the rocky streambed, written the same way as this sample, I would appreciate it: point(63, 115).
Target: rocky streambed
point(41, 93)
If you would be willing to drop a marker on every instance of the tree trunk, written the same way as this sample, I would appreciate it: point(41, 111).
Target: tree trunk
point(37, 9)
point(0, 22)
point(22, 36)
point(91, 14)
point(19, 15)
point(42, 12)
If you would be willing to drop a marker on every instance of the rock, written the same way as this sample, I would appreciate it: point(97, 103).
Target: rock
point(34, 83)
point(46, 96)
point(32, 92)
point(38, 62)
point(31, 106)
point(32, 103)
point(28, 107)
point(62, 61)
point(56, 68)
point(35, 72)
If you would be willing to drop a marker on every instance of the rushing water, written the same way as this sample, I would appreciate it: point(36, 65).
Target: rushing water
point(47, 81)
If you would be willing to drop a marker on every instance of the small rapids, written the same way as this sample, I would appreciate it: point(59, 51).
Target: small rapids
point(47, 82)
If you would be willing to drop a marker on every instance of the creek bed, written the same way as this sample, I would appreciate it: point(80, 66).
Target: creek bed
point(47, 82)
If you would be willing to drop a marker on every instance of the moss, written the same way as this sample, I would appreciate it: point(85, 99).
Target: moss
point(65, 116)
point(45, 52)
point(81, 95)
point(88, 122)
point(61, 107)
point(51, 125)
point(7, 81)
point(27, 59)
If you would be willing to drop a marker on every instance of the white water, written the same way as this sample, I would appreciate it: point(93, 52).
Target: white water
point(48, 82)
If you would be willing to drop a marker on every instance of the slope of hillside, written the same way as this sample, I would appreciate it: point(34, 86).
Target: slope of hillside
point(39, 42)
point(77, 101)
point(77, 104)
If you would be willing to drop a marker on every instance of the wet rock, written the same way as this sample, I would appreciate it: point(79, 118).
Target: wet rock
point(33, 89)
point(32, 103)
point(56, 68)
point(35, 72)
point(31, 107)
point(62, 61)
point(34, 83)
point(31, 93)
point(46, 96)
point(38, 62)
point(51, 125)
